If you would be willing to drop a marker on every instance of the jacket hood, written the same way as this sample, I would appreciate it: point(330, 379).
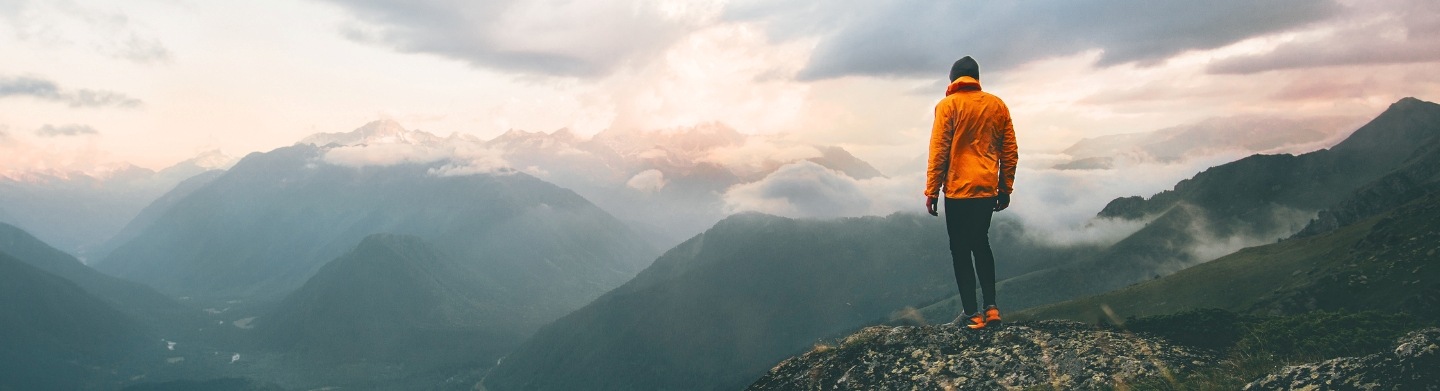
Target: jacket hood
point(964, 83)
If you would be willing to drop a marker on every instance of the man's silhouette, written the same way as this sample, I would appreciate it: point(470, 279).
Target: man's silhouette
point(972, 159)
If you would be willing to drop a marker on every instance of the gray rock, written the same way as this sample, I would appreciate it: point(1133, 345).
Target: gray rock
point(1414, 364)
point(1060, 354)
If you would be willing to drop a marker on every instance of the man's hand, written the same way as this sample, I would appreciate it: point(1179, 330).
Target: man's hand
point(1002, 201)
point(930, 202)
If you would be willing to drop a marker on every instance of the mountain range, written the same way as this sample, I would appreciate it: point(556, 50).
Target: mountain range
point(269, 223)
point(396, 259)
point(324, 267)
point(79, 211)
point(138, 301)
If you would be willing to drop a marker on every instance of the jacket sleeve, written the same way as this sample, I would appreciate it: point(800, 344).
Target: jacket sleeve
point(942, 134)
point(1009, 152)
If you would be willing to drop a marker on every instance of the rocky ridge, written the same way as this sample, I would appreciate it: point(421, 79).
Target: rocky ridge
point(1410, 366)
point(1055, 354)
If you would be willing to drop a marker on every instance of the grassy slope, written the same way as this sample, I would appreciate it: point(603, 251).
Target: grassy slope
point(1382, 263)
point(1233, 282)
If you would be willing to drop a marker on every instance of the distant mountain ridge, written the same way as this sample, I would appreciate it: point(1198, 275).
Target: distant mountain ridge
point(135, 299)
point(668, 184)
point(265, 226)
point(78, 211)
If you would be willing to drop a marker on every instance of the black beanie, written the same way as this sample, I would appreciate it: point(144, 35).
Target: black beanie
point(965, 67)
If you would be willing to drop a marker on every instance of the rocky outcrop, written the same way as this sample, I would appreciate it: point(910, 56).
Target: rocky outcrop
point(1411, 366)
point(1055, 354)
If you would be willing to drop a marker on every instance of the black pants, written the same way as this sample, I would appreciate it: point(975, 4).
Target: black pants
point(968, 222)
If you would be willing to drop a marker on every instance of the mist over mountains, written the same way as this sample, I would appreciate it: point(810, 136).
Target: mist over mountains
point(673, 183)
point(268, 224)
point(79, 211)
point(1250, 134)
point(1252, 201)
point(397, 259)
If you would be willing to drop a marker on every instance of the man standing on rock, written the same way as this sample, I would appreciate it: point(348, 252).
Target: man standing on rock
point(972, 157)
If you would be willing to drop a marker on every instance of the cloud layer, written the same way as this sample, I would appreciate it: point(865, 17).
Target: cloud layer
point(34, 87)
point(908, 38)
point(802, 189)
point(66, 23)
point(65, 130)
point(1377, 32)
point(921, 39)
point(564, 38)
point(461, 156)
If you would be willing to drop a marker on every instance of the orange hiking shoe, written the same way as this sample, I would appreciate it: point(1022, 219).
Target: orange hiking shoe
point(975, 322)
point(992, 315)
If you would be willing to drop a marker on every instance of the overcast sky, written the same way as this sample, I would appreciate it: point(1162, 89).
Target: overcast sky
point(157, 81)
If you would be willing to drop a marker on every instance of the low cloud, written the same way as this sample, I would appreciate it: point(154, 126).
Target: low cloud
point(802, 189)
point(1060, 200)
point(808, 190)
point(65, 130)
point(384, 155)
point(476, 166)
point(759, 154)
point(141, 49)
point(34, 87)
point(648, 181)
point(460, 156)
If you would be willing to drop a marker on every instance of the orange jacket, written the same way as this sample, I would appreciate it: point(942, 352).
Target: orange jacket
point(972, 145)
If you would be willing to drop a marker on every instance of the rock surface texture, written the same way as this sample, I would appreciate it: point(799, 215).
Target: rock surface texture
point(1413, 365)
point(1054, 354)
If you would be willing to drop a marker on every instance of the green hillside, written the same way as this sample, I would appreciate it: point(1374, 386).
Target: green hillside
point(54, 335)
point(1386, 263)
point(392, 301)
point(160, 314)
point(720, 309)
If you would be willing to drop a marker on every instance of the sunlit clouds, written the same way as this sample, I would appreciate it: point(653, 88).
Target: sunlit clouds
point(156, 82)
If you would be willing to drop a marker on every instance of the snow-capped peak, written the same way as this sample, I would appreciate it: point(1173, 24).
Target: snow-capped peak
point(383, 131)
point(212, 160)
